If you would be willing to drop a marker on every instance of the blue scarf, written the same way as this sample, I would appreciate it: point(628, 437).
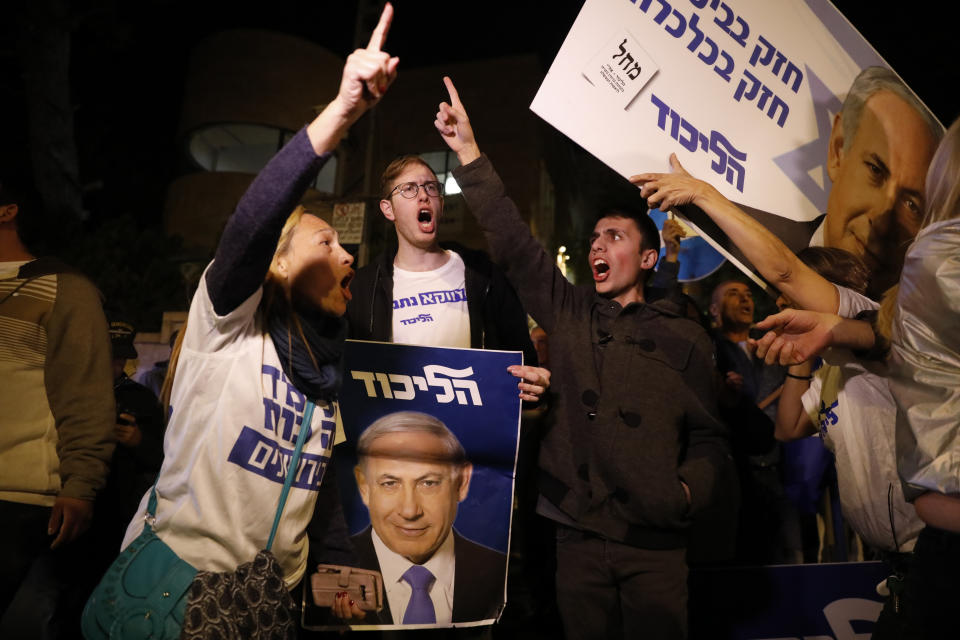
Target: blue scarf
point(325, 335)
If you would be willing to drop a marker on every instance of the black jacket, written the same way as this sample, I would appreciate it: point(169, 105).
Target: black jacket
point(497, 320)
point(634, 390)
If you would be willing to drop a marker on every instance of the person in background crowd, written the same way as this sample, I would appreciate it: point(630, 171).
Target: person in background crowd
point(56, 404)
point(153, 377)
point(747, 405)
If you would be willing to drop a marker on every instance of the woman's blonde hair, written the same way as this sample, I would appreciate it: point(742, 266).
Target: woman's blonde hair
point(275, 300)
point(276, 297)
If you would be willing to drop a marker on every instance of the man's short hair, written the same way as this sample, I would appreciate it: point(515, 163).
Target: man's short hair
point(649, 234)
point(870, 81)
point(397, 167)
point(839, 266)
point(412, 422)
point(723, 285)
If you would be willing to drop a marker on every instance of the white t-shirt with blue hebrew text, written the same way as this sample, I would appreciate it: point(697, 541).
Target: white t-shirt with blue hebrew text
point(232, 430)
point(430, 307)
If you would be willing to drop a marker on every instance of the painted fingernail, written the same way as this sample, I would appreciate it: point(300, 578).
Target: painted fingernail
point(352, 603)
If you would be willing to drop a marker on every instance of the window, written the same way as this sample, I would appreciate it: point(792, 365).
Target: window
point(443, 163)
point(246, 148)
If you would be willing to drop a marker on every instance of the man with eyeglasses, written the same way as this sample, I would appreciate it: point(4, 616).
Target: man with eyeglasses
point(443, 296)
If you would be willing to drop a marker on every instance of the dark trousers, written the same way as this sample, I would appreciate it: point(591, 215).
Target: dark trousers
point(606, 589)
point(931, 590)
point(23, 538)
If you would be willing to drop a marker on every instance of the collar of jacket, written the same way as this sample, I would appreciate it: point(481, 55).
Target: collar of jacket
point(612, 308)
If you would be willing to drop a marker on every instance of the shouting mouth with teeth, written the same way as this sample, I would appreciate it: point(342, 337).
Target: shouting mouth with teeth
point(416, 219)
point(600, 270)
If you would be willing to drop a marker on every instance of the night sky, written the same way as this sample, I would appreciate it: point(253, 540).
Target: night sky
point(129, 59)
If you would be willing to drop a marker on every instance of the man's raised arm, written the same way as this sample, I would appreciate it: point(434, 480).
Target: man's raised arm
point(768, 254)
point(529, 267)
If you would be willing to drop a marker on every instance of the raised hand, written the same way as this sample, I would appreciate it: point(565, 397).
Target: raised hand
point(454, 126)
point(369, 71)
point(666, 190)
point(672, 233)
point(367, 75)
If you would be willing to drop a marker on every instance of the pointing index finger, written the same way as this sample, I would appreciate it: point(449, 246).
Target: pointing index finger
point(379, 35)
point(452, 90)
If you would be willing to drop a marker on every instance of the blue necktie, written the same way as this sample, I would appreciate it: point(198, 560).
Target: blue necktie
point(420, 608)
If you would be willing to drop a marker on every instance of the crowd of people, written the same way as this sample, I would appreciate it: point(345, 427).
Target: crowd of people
point(644, 424)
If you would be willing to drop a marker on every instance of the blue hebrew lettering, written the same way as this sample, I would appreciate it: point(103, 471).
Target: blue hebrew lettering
point(711, 57)
point(677, 31)
point(691, 143)
point(699, 4)
point(664, 12)
point(725, 22)
point(784, 110)
point(778, 64)
point(754, 87)
point(287, 419)
point(663, 111)
point(674, 125)
point(726, 164)
point(693, 25)
point(744, 32)
point(271, 414)
point(295, 399)
point(765, 94)
point(756, 55)
point(792, 70)
point(274, 374)
point(735, 173)
point(728, 67)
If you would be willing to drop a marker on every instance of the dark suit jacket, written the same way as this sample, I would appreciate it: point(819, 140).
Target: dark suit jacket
point(478, 581)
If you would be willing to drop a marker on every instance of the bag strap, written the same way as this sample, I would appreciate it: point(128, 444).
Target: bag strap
point(305, 426)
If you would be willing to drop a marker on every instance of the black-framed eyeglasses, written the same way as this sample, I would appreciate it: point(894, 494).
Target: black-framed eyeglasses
point(409, 190)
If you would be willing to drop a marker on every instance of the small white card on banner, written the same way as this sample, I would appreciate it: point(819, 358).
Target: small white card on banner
point(622, 68)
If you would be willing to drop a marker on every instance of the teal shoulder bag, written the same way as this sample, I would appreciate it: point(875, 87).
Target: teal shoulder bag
point(145, 592)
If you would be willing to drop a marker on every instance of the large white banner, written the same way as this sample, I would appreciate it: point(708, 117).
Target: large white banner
point(744, 91)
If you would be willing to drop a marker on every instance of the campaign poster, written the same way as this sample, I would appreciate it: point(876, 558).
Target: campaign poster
point(426, 479)
point(745, 92)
